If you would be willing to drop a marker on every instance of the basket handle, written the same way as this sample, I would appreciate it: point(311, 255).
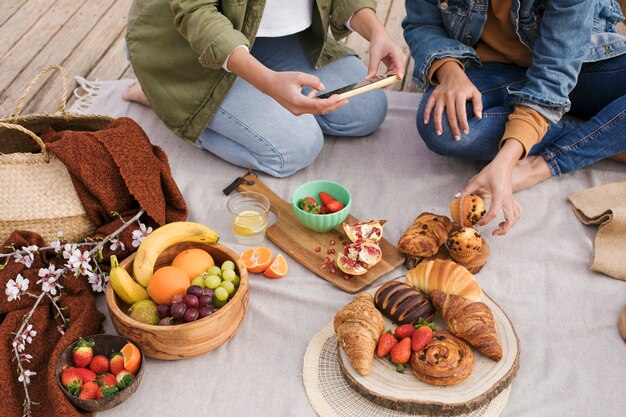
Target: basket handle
point(22, 101)
point(44, 149)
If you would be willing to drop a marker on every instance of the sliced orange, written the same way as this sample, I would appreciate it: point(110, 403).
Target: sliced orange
point(278, 268)
point(257, 259)
point(132, 358)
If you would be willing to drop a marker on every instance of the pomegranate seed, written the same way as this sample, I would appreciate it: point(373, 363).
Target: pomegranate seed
point(340, 237)
point(332, 242)
point(346, 277)
point(345, 243)
point(323, 266)
point(332, 268)
point(318, 249)
point(327, 260)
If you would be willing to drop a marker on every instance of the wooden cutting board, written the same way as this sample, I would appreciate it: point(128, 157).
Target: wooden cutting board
point(405, 392)
point(300, 242)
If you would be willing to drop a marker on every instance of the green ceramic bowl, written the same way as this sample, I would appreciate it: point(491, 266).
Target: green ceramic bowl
point(321, 222)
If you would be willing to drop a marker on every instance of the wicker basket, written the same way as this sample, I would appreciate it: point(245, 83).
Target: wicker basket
point(38, 190)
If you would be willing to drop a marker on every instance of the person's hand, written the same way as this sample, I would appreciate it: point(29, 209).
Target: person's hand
point(286, 89)
point(451, 95)
point(494, 183)
point(383, 49)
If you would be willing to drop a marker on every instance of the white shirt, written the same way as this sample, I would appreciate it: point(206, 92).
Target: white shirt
point(285, 17)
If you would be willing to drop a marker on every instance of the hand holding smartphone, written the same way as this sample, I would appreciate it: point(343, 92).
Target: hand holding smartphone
point(380, 81)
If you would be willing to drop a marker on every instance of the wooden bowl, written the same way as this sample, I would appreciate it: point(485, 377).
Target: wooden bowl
point(186, 340)
point(104, 345)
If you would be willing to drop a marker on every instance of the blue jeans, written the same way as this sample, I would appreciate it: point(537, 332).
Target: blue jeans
point(597, 132)
point(251, 129)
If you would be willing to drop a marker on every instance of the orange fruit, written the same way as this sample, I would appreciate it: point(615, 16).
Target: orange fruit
point(256, 260)
point(167, 282)
point(278, 268)
point(193, 261)
point(132, 358)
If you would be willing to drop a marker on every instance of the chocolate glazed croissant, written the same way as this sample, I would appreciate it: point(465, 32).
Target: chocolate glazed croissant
point(469, 320)
point(403, 303)
point(359, 325)
point(425, 236)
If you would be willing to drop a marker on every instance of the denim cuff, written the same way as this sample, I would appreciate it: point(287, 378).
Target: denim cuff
point(464, 54)
point(551, 110)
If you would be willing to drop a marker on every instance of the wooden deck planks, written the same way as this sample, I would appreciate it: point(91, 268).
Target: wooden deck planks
point(87, 38)
point(87, 53)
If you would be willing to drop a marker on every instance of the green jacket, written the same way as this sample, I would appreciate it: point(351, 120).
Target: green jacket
point(177, 48)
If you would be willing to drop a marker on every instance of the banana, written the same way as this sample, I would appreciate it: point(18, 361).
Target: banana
point(163, 237)
point(124, 286)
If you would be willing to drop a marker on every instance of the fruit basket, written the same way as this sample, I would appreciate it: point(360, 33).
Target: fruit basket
point(104, 344)
point(185, 340)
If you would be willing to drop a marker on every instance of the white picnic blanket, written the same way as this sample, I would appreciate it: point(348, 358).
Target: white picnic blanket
point(573, 362)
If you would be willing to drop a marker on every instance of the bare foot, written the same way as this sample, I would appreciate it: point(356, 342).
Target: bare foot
point(530, 171)
point(620, 157)
point(135, 93)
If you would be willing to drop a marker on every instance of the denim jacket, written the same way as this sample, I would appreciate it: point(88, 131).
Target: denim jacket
point(562, 34)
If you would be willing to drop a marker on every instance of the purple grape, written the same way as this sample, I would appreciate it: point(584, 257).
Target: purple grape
point(205, 311)
point(191, 315)
point(191, 301)
point(166, 321)
point(207, 291)
point(178, 311)
point(177, 299)
point(163, 310)
point(194, 290)
point(205, 300)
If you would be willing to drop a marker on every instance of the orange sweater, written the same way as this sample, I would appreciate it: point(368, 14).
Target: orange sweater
point(500, 43)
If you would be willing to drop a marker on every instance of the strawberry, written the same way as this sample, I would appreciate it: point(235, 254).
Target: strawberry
point(71, 380)
point(106, 380)
point(401, 353)
point(99, 393)
point(326, 198)
point(422, 335)
point(385, 343)
point(86, 374)
point(117, 363)
point(334, 206)
point(123, 379)
point(82, 353)
point(99, 364)
point(405, 330)
point(89, 391)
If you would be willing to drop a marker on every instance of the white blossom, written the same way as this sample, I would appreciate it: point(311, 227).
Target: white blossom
point(26, 256)
point(116, 243)
point(79, 262)
point(56, 245)
point(140, 234)
point(68, 249)
point(29, 333)
point(15, 288)
point(97, 281)
point(49, 279)
point(26, 357)
point(25, 376)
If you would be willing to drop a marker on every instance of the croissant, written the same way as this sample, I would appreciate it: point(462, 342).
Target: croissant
point(358, 326)
point(425, 236)
point(403, 303)
point(446, 276)
point(469, 320)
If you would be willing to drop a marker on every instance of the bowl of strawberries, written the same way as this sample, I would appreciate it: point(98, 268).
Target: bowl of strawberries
point(321, 205)
point(98, 372)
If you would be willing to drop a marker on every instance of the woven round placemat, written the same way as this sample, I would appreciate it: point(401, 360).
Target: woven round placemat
point(331, 396)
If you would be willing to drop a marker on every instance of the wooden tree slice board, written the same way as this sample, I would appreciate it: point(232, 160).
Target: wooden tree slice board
point(300, 242)
point(404, 392)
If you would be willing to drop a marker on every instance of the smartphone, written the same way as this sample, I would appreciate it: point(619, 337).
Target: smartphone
point(379, 81)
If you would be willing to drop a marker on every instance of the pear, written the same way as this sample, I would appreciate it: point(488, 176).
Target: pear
point(144, 311)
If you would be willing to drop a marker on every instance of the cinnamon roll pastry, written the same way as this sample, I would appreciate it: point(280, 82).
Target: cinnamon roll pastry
point(445, 360)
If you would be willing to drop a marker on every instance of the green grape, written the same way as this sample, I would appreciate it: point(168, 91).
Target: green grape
point(236, 281)
point(228, 266)
point(214, 270)
point(228, 286)
point(212, 281)
point(199, 281)
point(221, 293)
point(229, 275)
point(219, 303)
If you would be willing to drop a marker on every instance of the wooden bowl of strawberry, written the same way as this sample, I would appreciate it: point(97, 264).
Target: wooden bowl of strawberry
point(100, 371)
